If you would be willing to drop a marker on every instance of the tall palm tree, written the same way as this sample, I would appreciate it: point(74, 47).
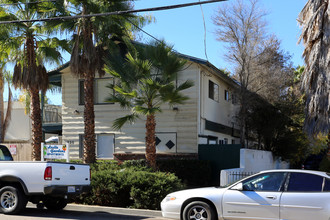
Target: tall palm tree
point(314, 20)
point(31, 47)
point(146, 79)
point(89, 47)
point(5, 118)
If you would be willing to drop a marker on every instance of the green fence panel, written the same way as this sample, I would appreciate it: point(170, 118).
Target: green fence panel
point(221, 157)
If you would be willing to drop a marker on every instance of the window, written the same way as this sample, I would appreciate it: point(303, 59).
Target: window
point(213, 91)
point(212, 140)
point(265, 182)
point(101, 91)
point(326, 185)
point(226, 95)
point(104, 145)
point(305, 182)
point(232, 141)
point(225, 140)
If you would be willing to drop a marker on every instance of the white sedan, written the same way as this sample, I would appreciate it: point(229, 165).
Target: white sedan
point(273, 194)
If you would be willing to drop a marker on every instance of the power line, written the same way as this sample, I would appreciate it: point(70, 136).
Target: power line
point(113, 13)
point(26, 3)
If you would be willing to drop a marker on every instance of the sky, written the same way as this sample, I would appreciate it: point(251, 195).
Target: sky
point(183, 28)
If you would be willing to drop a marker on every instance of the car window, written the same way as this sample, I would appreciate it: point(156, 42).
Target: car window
point(305, 182)
point(326, 185)
point(5, 154)
point(265, 182)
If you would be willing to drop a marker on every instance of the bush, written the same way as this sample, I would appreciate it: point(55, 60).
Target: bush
point(148, 189)
point(127, 186)
point(325, 164)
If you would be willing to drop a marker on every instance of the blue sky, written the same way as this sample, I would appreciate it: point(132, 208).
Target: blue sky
point(184, 29)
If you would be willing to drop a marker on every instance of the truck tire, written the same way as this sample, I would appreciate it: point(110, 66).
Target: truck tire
point(55, 203)
point(12, 200)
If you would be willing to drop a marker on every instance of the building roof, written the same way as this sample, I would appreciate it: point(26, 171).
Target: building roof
point(55, 75)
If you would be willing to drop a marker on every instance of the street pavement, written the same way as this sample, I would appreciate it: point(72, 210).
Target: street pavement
point(84, 212)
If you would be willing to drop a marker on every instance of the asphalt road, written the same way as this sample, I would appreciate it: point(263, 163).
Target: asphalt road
point(76, 212)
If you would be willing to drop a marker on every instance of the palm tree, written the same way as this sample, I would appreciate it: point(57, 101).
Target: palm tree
point(89, 47)
point(314, 20)
point(146, 79)
point(5, 77)
point(31, 47)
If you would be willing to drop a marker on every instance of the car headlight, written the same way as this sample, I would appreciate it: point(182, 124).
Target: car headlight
point(169, 198)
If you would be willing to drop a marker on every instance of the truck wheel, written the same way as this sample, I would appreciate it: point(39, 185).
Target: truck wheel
point(55, 203)
point(12, 200)
point(199, 210)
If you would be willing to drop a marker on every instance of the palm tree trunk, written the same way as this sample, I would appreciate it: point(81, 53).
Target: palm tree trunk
point(36, 124)
point(89, 120)
point(151, 141)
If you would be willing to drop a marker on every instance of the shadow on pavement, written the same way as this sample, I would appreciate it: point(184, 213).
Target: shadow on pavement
point(33, 213)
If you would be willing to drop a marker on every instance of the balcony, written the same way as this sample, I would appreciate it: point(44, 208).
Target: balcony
point(52, 119)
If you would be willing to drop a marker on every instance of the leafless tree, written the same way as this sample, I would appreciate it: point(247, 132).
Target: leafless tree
point(260, 66)
point(242, 26)
point(273, 73)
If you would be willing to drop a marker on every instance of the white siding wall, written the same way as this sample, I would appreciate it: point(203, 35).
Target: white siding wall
point(131, 139)
point(222, 112)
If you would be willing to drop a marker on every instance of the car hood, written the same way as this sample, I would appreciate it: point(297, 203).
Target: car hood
point(206, 192)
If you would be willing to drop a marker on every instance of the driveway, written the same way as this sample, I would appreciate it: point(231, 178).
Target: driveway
point(83, 212)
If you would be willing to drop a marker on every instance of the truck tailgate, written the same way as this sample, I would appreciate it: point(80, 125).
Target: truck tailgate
point(70, 174)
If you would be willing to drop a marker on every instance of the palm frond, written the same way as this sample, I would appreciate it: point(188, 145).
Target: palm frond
point(120, 122)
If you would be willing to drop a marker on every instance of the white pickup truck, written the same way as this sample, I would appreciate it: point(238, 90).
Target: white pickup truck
point(43, 183)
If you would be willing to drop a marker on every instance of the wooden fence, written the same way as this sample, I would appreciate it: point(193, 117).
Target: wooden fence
point(20, 151)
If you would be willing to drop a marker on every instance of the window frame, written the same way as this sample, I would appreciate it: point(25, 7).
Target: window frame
point(281, 186)
point(226, 97)
point(288, 182)
point(212, 88)
point(81, 91)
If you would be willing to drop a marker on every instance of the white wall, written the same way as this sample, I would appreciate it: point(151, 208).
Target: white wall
point(19, 129)
point(257, 160)
point(251, 161)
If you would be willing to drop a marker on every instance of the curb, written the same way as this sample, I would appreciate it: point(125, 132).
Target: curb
point(116, 210)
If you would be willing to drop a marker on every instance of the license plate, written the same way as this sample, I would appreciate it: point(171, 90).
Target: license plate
point(71, 189)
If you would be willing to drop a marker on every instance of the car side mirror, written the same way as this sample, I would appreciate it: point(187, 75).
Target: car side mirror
point(238, 186)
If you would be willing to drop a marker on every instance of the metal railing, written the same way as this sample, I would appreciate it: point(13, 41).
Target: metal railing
point(52, 114)
point(232, 175)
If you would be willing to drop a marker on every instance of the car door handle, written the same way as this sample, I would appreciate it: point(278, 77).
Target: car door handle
point(271, 197)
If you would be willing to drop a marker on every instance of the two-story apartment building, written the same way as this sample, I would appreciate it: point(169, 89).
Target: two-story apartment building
point(208, 117)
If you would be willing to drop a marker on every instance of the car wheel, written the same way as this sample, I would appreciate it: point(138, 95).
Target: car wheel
point(12, 200)
point(55, 203)
point(199, 210)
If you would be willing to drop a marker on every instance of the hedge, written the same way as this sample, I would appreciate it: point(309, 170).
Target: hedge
point(133, 184)
point(129, 187)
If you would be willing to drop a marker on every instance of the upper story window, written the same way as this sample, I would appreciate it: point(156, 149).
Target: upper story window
point(101, 91)
point(226, 95)
point(213, 91)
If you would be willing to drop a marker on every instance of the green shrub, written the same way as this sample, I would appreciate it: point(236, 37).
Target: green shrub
point(148, 188)
point(125, 186)
point(325, 164)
